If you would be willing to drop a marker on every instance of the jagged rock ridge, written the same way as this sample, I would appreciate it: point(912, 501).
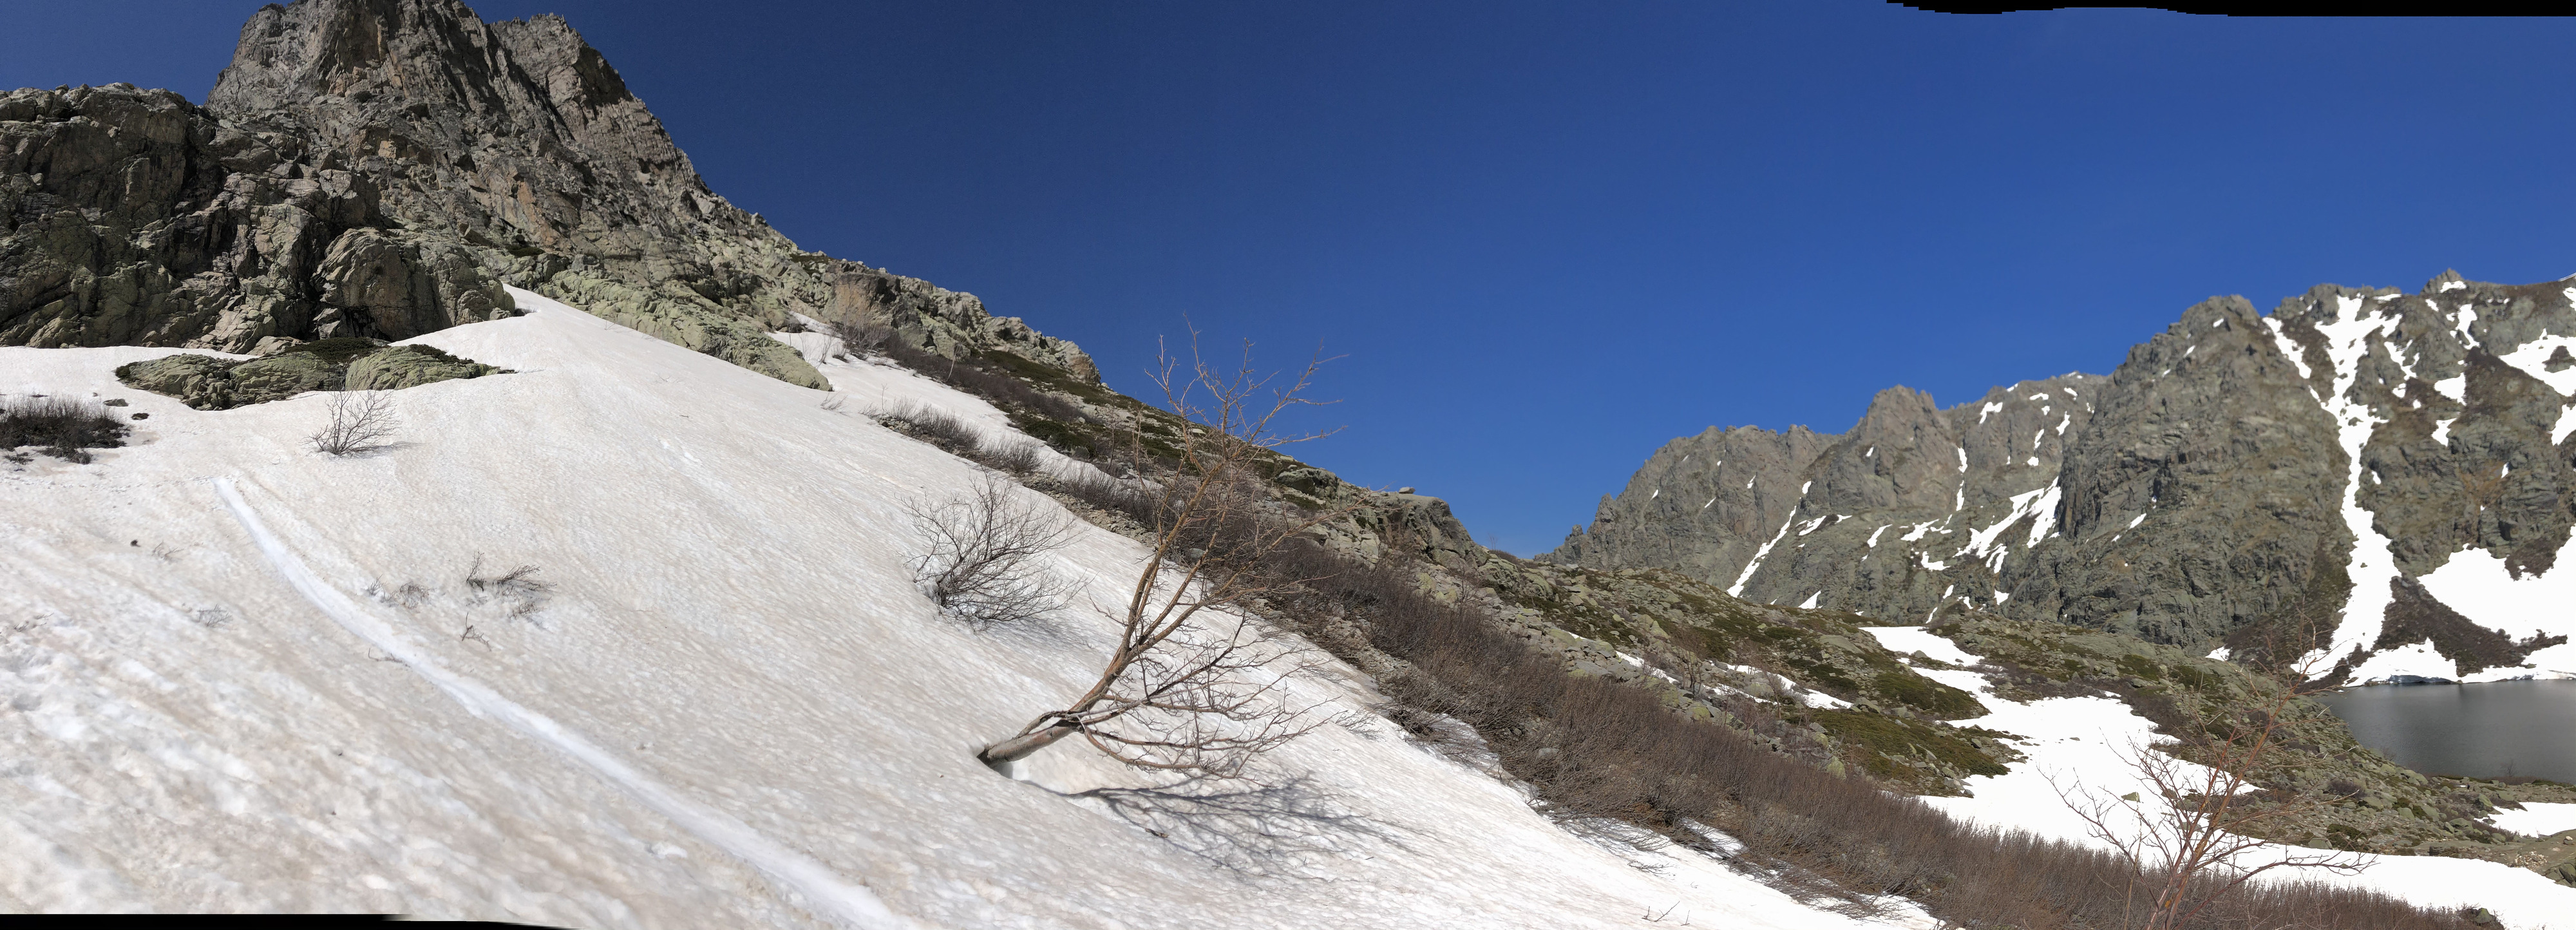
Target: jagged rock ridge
point(379, 168)
point(2241, 477)
point(1851, 521)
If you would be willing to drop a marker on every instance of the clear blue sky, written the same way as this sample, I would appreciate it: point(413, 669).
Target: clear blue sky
point(1552, 237)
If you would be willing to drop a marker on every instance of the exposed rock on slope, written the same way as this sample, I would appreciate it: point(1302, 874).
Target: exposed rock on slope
point(378, 168)
point(1857, 522)
point(342, 364)
point(2199, 500)
point(133, 217)
point(2240, 478)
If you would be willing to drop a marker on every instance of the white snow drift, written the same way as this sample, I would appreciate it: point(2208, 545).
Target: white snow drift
point(237, 676)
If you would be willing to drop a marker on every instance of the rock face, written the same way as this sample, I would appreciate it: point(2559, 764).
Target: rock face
point(1856, 521)
point(378, 169)
point(2242, 478)
point(133, 217)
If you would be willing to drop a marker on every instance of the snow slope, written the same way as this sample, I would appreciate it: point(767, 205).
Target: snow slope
point(2083, 739)
point(2538, 819)
point(2474, 582)
point(236, 678)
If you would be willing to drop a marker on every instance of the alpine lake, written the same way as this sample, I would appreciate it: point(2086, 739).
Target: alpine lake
point(2494, 730)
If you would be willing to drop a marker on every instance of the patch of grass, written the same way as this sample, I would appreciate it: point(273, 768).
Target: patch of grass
point(1903, 685)
point(59, 427)
point(1889, 737)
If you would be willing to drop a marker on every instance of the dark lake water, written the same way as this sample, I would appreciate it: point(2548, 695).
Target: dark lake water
point(2481, 731)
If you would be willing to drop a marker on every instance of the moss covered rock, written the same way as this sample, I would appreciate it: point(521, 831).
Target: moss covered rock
point(201, 381)
point(354, 364)
point(679, 316)
point(410, 366)
point(281, 376)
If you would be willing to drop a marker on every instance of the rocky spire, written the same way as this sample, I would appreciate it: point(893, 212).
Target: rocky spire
point(380, 168)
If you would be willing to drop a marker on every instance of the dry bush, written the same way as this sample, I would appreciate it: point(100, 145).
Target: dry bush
point(519, 590)
point(58, 426)
point(2193, 840)
point(361, 421)
point(1010, 455)
point(1594, 749)
point(1195, 684)
point(862, 337)
point(1127, 498)
point(929, 425)
point(983, 549)
point(976, 376)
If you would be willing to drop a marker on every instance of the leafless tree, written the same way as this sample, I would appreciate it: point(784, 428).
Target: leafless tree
point(984, 545)
point(361, 421)
point(2194, 842)
point(1194, 683)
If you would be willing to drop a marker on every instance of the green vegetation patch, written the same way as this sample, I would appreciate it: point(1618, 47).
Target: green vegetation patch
point(1892, 748)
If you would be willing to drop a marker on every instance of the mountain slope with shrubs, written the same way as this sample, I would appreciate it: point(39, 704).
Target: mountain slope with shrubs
point(712, 686)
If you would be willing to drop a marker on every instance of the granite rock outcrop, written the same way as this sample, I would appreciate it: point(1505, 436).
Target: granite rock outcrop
point(2228, 484)
point(379, 169)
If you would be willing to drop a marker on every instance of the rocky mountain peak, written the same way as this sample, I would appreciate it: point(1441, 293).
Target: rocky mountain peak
point(2237, 477)
point(380, 168)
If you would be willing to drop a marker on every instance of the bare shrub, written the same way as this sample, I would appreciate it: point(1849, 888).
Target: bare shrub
point(977, 376)
point(1018, 458)
point(983, 550)
point(361, 421)
point(931, 426)
point(2194, 842)
point(59, 426)
point(1194, 684)
point(409, 595)
point(1126, 498)
point(862, 337)
point(519, 590)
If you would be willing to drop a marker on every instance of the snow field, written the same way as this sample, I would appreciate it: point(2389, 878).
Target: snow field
point(2473, 582)
point(2083, 740)
point(236, 679)
point(2537, 819)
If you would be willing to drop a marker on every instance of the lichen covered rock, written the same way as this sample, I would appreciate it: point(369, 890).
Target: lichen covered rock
point(209, 383)
point(410, 366)
point(201, 381)
point(281, 376)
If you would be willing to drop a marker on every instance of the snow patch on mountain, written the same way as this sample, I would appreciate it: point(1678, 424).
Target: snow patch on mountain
point(2537, 818)
point(2477, 584)
point(2373, 567)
